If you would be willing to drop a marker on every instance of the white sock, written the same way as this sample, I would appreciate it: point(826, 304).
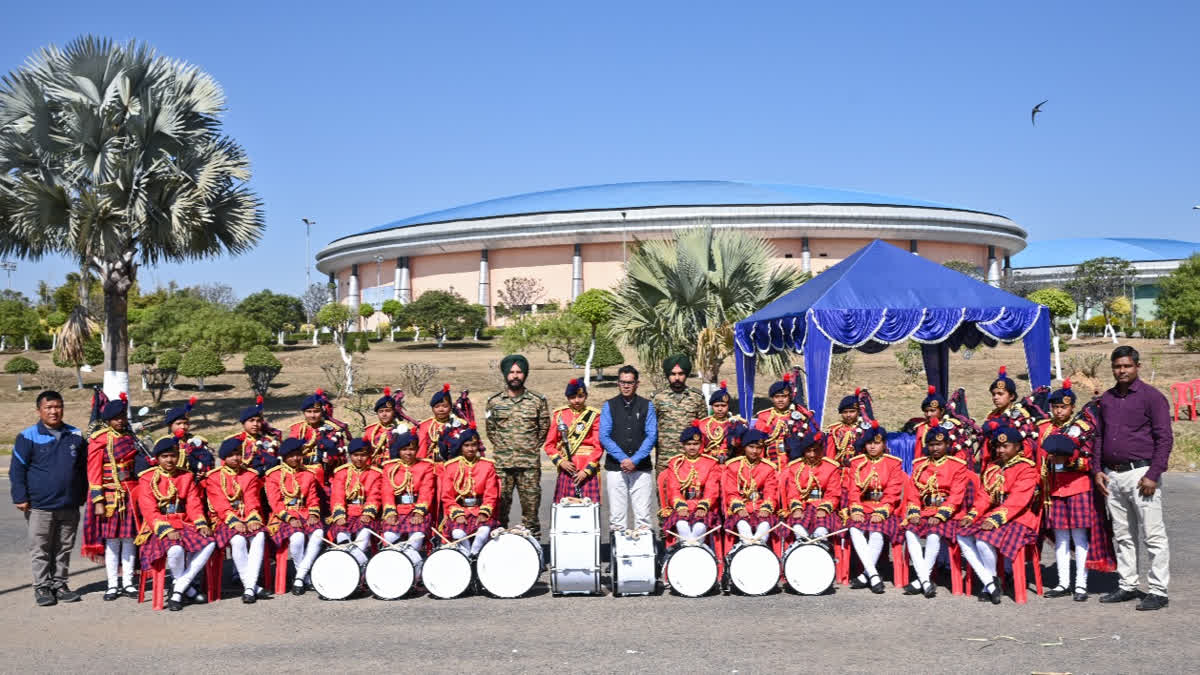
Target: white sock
point(698, 530)
point(112, 561)
point(361, 543)
point(1062, 556)
point(820, 532)
point(416, 540)
point(312, 549)
point(743, 529)
point(175, 562)
point(933, 545)
point(800, 532)
point(481, 538)
point(915, 555)
point(868, 550)
point(296, 549)
point(128, 553)
point(966, 545)
point(684, 529)
point(199, 560)
point(258, 543)
point(1080, 536)
point(241, 555)
point(987, 556)
point(458, 533)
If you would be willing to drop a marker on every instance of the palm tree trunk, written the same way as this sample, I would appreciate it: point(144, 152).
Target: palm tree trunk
point(118, 277)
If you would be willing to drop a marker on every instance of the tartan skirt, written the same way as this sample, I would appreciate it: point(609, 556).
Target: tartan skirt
point(947, 530)
point(474, 522)
point(810, 521)
point(710, 520)
point(565, 487)
point(1072, 511)
point(752, 519)
point(403, 525)
point(352, 526)
point(888, 528)
point(284, 531)
point(155, 548)
point(1009, 539)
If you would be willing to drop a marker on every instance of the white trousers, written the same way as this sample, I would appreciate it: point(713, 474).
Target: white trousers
point(868, 546)
point(304, 552)
point(184, 572)
point(248, 559)
point(1137, 522)
point(923, 561)
point(624, 491)
point(118, 557)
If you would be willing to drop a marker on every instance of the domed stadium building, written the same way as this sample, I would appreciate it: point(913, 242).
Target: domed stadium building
point(575, 239)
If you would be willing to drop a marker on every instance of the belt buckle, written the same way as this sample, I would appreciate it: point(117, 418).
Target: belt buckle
point(293, 502)
point(690, 494)
point(356, 502)
point(407, 499)
point(470, 501)
point(1060, 467)
point(171, 509)
point(752, 496)
point(815, 493)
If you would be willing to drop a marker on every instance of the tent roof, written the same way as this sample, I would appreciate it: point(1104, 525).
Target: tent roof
point(882, 276)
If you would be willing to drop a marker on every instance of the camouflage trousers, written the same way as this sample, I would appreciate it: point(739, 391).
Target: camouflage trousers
point(528, 483)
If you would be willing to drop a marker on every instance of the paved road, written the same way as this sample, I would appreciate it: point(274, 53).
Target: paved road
point(848, 631)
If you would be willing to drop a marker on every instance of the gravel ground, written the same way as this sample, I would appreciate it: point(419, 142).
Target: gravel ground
point(847, 631)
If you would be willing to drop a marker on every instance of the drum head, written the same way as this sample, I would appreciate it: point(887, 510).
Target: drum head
point(754, 570)
point(447, 573)
point(809, 569)
point(692, 571)
point(336, 575)
point(508, 566)
point(390, 574)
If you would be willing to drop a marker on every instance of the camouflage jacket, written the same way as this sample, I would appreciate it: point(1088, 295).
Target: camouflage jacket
point(675, 412)
point(516, 429)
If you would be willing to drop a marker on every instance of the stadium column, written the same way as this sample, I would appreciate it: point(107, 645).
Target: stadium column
point(352, 296)
point(332, 288)
point(1007, 268)
point(576, 273)
point(993, 267)
point(805, 256)
point(912, 247)
point(402, 288)
point(483, 283)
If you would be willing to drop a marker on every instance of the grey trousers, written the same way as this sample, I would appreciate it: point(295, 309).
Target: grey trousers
point(1137, 522)
point(51, 538)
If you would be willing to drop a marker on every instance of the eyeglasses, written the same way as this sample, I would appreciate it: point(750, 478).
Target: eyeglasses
point(621, 383)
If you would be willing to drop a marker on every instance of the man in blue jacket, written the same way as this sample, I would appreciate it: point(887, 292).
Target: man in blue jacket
point(49, 483)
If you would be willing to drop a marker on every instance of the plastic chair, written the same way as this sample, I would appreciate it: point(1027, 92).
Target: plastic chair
point(281, 565)
point(158, 574)
point(956, 569)
point(1030, 553)
point(212, 574)
point(1184, 394)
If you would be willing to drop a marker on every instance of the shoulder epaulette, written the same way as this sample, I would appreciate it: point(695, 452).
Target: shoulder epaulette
point(769, 463)
point(561, 407)
point(341, 467)
point(452, 461)
point(1023, 459)
point(374, 468)
point(499, 393)
point(489, 460)
point(960, 460)
point(858, 459)
point(763, 411)
point(143, 472)
point(98, 432)
point(275, 468)
point(831, 461)
point(892, 457)
point(921, 460)
point(233, 436)
point(425, 459)
point(212, 471)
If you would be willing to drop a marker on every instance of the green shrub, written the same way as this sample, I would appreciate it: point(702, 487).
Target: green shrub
point(324, 338)
point(261, 367)
point(93, 355)
point(201, 362)
point(405, 335)
point(142, 354)
point(1154, 330)
point(607, 353)
point(260, 356)
point(20, 366)
point(169, 360)
point(1192, 346)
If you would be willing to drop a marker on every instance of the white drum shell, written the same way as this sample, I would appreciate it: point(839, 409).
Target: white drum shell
point(808, 568)
point(336, 574)
point(753, 569)
point(392, 572)
point(691, 571)
point(509, 565)
point(446, 573)
point(575, 549)
point(633, 563)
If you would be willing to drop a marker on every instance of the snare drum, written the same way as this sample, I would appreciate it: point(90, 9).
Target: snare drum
point(808, 568)
point(753, 569)
point(690, 570)
point(633, 562)
point(575, 548)
point(446, 573)
point(509, 564)
point(336, 574)
point(393, 571)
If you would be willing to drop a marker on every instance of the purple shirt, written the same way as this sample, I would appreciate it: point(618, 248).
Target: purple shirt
point(1136, 426)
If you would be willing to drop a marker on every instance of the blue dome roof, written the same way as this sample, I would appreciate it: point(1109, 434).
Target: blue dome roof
point(650, 194)
point(1061, 252)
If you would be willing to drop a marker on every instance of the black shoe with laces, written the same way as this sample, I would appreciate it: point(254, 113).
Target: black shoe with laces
point(1120, 595)
point(175, 602)
point(1151, 602)
point(249, 599)
point(44, 597)
point(858, 582)
point(930, 590)
point(298, 589)
point(65, 594)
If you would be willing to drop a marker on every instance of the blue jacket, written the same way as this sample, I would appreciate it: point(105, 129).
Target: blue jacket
point(49, 474)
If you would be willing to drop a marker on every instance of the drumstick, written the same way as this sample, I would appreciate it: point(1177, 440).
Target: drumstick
point(386, 543)
point(824, 536)
point(702, 537)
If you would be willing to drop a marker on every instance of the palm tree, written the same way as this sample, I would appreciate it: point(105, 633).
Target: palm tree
point(685, 295)
point(112, 156)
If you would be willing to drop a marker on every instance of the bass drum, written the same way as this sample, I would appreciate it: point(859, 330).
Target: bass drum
point(808, 568)
point(509, 564)
point(446, 573)
point(393, 571)
point(753, 569)
point(336, 574)
point(690, 571)
point(632, 566)
point(575, 549)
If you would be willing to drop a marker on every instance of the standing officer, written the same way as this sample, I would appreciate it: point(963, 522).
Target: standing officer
point(517, 422)
point(676, 406)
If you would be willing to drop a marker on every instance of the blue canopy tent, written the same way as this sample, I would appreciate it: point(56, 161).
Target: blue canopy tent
point(879, 296)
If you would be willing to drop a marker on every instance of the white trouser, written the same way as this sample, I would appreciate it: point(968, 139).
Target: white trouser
point(478, 539)
point(624, 490)
point(690, 532)
point(923, 561)
point(1062, 556)
point(1137, 522)
point(802, 533)
point(118, 556)
point(184, 572)
point(415, 540)
point(980, 556)
point(248, 559)
point(759, 533)
point(361, 541)
point(304, 550)
point(868, 548)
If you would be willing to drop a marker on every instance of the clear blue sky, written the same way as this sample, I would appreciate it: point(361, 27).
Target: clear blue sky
point(355, 114)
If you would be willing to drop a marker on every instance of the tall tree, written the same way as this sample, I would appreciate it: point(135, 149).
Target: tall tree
point(218, 294)
point(519, 294)
point(273, 310)
point(1179, 298)
point(684, 295)
point(1059, 303)
point(113, 156)
point(1097, 282)
point(313, 300)
point(443, 312)
point(595, 307)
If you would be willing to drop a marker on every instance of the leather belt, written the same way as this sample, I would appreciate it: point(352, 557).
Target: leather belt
point(933, 500)
point(1121, 467)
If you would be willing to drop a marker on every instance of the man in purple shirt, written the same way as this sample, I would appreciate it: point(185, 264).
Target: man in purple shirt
point(1130, 456)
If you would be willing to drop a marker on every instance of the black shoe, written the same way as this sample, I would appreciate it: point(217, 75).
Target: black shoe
point(858, 582)
point(996, 594)
point(196, 597)
point(1080, 595)
point(877, 585)
point(44, 597)
point(298, 589)
point(930, 590)
point(913, 588)
point(1119, 595)
point(1151, 602)
point(263, 594)
point(65, 594)
point(249, 599)
point(112, 594)
point(130, 591)
point(175, 602)
point(1057, 592)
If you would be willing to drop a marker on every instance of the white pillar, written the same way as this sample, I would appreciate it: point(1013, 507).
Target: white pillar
point(912, 247)
point(576, 273)
point(332, 288)
point(396, 281)
point(404, 283)
point(483, 278)
point(993, 267)
point(805, 256)
point(352, 296)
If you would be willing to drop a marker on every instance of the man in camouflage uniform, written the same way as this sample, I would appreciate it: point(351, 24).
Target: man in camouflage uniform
point(676, 407)
point(517, 422)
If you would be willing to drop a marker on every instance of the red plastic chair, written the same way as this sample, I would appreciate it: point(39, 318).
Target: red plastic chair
point(1031, 553)
point(212, 574)
point(158, 574)
point(956, 570)
point(1184, 394)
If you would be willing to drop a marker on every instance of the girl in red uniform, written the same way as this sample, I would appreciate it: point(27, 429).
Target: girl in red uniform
point(469, 489)
point(408, 493)
point(110, 525)
point(1002, 518)
point(936, 500)
point(234, 497)
point(295, 510)
point(1009, 412)
point(750, 488)
point(691, 487)
point(173, 523)
point(355, 500)
point(811, 487)
point(573, 444)
point(874, 489)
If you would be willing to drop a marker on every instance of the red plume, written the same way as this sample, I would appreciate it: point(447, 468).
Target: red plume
point(319, 392)
point(696, 423)
point(471, 424)
point(179, 433)
point(192, 400)
point(124, 396)
point(858, 391)
point(787, 377)
point(387, 391)
point(1067, 383)
point(574, 382)
point(258, 400)
point(874, 424)
point(1003, 371)
point(936, 421)
point(932, 390)
point(723, 385)
point(446, 387)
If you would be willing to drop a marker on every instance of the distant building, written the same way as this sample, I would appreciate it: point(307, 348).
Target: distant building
point(1052, 262)
point(578, 238)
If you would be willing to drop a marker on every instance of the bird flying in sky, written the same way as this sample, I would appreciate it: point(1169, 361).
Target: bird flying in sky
point(1036, 109)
